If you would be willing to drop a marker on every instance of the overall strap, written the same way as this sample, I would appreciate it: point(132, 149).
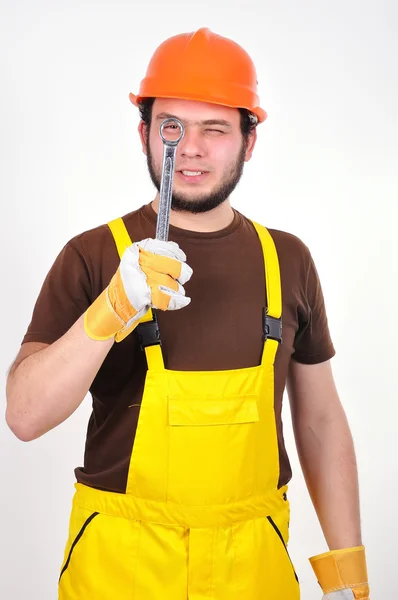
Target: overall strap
point(272, 317)
point(123, 240)
point(273, 312)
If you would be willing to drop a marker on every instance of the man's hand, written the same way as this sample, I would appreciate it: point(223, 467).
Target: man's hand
point(151, 274)
point(342, 574)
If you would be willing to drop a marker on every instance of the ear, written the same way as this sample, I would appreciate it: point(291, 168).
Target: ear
point(251, 142)
point(142, 130)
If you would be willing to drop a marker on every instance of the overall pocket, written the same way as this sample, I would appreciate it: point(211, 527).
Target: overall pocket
point(75, 541)
point(100, 557)
point(196, 412)
point(278, 533)
point(212, 448)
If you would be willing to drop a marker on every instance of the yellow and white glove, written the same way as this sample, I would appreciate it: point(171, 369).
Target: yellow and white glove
point(342, 574)
point(151, 274)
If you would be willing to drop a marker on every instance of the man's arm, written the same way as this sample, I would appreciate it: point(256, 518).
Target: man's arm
point(47, 383)
point(326, 452)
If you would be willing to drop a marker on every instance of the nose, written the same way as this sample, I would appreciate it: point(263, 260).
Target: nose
point(192, 144)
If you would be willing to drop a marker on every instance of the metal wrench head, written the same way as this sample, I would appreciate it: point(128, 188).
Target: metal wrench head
point(171, 131)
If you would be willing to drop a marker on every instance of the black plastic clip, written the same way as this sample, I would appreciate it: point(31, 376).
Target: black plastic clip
point(149, 333)
point(272, 328)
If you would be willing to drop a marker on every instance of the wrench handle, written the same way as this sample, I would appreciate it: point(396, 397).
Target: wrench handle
point(166, 188)
point(170, 143)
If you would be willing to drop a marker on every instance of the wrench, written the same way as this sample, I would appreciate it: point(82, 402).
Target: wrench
point(166, 183)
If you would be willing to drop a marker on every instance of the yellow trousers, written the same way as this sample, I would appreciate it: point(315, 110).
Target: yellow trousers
point(112, 556)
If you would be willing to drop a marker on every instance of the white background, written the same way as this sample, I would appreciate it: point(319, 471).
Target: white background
point(325, 169)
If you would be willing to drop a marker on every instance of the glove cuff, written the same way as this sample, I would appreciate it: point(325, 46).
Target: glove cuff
point(341, 569)
point(101, 322)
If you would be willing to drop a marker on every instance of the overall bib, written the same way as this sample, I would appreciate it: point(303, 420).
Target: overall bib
point(202, 517)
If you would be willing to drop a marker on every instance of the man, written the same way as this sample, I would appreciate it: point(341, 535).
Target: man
point(183, 493)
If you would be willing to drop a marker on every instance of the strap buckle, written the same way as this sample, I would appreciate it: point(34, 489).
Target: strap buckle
point(272, 327)
point(149, 333)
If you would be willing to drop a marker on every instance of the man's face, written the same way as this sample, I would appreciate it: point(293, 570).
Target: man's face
point(209, 158)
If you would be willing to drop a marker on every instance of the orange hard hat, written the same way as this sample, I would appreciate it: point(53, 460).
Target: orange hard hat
point(202, 66)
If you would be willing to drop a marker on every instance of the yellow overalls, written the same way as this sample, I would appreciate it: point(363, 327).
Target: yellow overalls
point(202, 517)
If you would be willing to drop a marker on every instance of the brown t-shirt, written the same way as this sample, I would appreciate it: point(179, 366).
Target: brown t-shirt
point(220, 329)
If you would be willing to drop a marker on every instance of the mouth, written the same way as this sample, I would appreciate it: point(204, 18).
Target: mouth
point(191, 176)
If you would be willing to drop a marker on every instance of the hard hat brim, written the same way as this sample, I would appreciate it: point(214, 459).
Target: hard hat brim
point(259, 112)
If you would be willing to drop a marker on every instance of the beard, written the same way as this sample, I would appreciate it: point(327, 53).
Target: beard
point(205, 202)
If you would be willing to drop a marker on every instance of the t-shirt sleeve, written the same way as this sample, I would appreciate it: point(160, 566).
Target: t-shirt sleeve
point(313, 343)
point(64, 296)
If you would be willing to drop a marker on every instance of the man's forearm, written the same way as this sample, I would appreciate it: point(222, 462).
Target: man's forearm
point(327, 457)
point(48, 386)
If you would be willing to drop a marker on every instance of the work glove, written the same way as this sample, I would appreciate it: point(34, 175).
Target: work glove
point(342, 574)
point(151, 274)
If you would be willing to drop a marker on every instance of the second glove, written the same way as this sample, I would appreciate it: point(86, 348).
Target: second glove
point(342, 574)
